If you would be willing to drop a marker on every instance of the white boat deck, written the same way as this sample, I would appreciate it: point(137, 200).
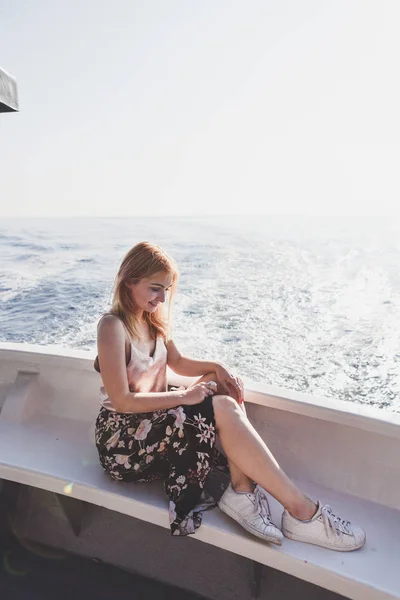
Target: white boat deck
point(70, 466)
point(47, 441)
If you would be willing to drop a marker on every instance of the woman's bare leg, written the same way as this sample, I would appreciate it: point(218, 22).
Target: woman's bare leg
point(252, 457)
point(251, 460)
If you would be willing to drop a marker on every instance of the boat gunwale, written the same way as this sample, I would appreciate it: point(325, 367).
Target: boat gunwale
point(372, 419)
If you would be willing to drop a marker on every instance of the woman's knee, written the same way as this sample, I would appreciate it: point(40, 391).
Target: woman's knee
point(224, 405)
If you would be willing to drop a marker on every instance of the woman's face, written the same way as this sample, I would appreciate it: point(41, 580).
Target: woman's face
point(150, 291)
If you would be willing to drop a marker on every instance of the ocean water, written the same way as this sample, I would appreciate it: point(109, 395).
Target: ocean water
point(310, 304)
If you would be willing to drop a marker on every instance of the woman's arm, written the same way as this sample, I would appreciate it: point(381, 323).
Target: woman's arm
point(230, 383)
point(183, 365)
point(111, 353)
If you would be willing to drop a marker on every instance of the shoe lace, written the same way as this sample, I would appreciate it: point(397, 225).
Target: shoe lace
point(337, 524)
point(261, 502)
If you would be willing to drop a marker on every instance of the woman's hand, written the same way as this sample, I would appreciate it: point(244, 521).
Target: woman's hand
point(198, 392)
point(231, 383)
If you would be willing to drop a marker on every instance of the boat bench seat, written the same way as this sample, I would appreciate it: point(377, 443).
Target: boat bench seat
point(47, 441)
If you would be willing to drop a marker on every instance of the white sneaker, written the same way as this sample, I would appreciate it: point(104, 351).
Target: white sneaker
point(324, 529)
point(251, 510)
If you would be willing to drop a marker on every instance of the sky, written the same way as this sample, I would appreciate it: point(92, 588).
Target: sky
point(201, 107)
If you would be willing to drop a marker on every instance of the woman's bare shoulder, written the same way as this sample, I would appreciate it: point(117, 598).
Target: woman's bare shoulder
point(111, 337)
point(110, 325)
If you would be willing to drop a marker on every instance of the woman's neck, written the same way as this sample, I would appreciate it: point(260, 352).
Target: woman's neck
point(140, 319)
point(143, 327)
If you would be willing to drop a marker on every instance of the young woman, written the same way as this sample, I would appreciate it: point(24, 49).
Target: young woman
point(147, 431)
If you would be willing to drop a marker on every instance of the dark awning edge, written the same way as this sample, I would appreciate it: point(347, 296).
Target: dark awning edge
point(8, 92)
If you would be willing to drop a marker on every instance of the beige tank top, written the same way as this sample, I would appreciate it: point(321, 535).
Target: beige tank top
point(145, 373)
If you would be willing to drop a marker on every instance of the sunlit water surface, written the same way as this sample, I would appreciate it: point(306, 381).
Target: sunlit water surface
point(310, 304)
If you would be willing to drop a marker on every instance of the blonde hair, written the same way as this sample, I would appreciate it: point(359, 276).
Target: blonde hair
point(143, 260)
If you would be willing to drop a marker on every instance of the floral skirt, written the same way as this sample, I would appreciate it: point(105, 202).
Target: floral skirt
point(176, 446)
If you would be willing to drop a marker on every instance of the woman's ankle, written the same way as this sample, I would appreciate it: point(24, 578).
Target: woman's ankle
point(304, 510)
point(243, 487)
